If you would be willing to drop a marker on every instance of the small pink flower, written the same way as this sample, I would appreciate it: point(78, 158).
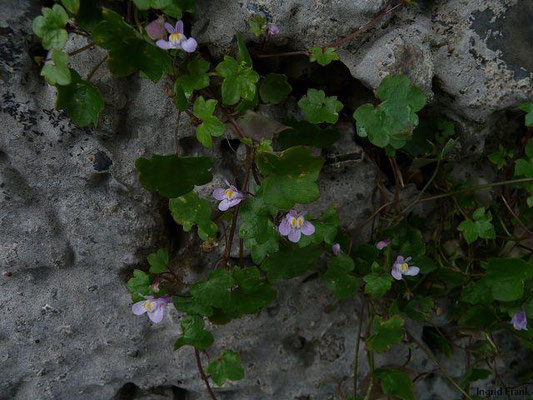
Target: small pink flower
point(230, 196)
point(336, 248)
point(156, 29)
point(382, 244)
point(154, 307)
point(155, 286)
point(177, 40)
point(273, 29)
point(294, 224)
point(400, 267)
point(519, 321)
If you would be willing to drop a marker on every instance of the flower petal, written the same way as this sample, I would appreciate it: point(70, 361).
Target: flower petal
point(163, 44)
point(170, 29)
point(219, 193)
point(295, 235)
point(292, 213)
point(284, 228)
point(155, 29)
point(412, 271)
point(157, 315)
point(233, 202)
point(336, 248)
point(396, 274)
point(179, 27)
point(308, 228)
point(189, 45)
point(138, 308)
point(224, 205)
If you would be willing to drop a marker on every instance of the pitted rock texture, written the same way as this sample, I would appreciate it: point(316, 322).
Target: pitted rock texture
point(74, 221)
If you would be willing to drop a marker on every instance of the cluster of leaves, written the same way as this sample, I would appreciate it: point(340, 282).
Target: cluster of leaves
point(484, 293)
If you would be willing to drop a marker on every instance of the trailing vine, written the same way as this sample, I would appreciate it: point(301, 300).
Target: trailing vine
point(477, 254)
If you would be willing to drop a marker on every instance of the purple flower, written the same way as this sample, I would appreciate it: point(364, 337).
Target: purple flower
point(519, 321)
point(336, 248)
point(156, 29)
point(230, 197)
point(154, 307)
point(273, 30)
point(400, 267)
point(177, 40)
point(382, 244)
point(294, 224)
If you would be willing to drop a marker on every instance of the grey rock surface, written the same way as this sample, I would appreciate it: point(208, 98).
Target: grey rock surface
point(74, 221)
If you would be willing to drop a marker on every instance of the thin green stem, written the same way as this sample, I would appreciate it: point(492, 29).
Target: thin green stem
point(357, 344)
point(437, 363)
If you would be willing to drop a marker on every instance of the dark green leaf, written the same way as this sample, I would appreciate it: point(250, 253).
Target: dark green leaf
point(158, 261)
point(289, 178)
point(474, 374)
point(243, 56)
point(216, 291)
point(258, 24)
point(81, 100)
point(478, 227)
point(318, 108)
point(477, 293)
point(140, 285)
point(274, 88)
point(190, 210)
point(192, 306)
point(377, 284)
point(193, 333)
point(338, 277)
point(290, 263)
point(239, 80)
point(387, 333)
point(395, 383)
point(196, 77)
point(528, 108)
point(227, 367)
point(393, 121)
point(307, 134)
point(506, 276)
point(173, 176)
point(72, 6)
point(211, 125)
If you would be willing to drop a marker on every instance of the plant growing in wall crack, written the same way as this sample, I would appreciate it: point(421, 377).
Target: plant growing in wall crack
point(476, 255)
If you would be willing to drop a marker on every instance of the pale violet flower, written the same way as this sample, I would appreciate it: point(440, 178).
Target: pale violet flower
point(336, 248)
point(154, 307)
point(519, 321)
point(177, 40)
point(156, 29)
point(400, 267)
point(230, 197)
point(294, 224)
point(273, 29)
point(382, 244)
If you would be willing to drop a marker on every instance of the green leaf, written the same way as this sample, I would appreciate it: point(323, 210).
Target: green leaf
point(72, 6)
point(474, 374)
point(196, 77)
point(498, 157)
point(243, 55)
point(81, 100)
point(290, 263)
point(193, 333)
point(239, 81)
point(325, 229)
point(528, 108)
point(172, 8)
point(211, 125)
point(275, 88)
point(143, 4)
point(338, 277)
point(428, 135)
point(395, 383)
point(227, 367)
point(173, 176)
point(192, 306)
point(323, 56)
point(307, 134)
point(387, 333)
point(255, 219)
point(524, 168)
point(258, 24)
point(158, 261)
point(127, 51)
point(253, 294)
point(506, 277)
point(216, 291)
point(393, 121)
point(289, 178)
point(89, 15)
point(480, 227)
point(49, 27)
point(377, 284)
point(140, 285)
point(190, 210)
point(318, 108)
point(58, 72)
point(477, 317)
point(477, 293)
